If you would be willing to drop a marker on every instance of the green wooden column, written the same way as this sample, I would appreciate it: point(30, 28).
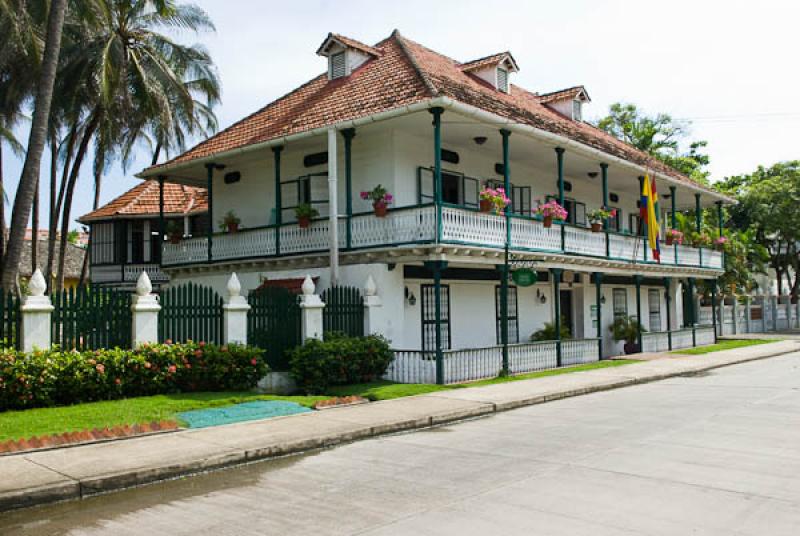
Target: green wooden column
point(160, 216)
point(604, 175)
point(436, 267)
point(720, 225)
point(598, 287)
point(276, 157)
point(504, 272)
point(638, 280)
point(673, 218)
point(348, 134)
point(669, 313)
point(560, 167)
point(642, 221)
point(437, 167)
point(692, 310)
point(556, 273)
point(714, 308)
point(210, 192)
point(698, 222)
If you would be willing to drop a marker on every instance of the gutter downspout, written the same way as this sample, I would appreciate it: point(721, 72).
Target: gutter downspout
point(333, 205)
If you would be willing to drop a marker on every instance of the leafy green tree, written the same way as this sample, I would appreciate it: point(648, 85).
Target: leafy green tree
point(768, 208)
point(660, 136)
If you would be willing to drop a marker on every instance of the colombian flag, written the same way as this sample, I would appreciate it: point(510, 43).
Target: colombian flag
point(648, 212)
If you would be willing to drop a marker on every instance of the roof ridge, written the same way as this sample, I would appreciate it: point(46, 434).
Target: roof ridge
point(414, 63)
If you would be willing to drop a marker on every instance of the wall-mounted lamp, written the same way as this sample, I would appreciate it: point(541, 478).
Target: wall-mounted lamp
point(592, 174)
point(603, 299)
point(541, 296)
point(480, 140)
point(410, 298)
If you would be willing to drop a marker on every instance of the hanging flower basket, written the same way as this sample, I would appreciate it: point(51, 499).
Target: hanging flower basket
point(381, 199)
point(493, 200)
point(600, 215)
point(674, 236)
point(550, 211)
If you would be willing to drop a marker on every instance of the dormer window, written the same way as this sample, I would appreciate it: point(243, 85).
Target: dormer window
point(502, 79)
point(345, 55)
point(338, 65)
point(577, 110)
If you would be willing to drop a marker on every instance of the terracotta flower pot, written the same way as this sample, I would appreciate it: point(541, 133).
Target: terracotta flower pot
point(597, 227)
point(669, 240)
point(233, 227)
point(380, 210)
point(547, 222)
point(304, 222)
point(486, 205)
point(175, 239)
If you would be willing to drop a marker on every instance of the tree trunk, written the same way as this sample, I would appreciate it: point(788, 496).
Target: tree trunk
point(73, 179)
point(35, 230)
point(2, 210)
point(156, 154)
point(55, 211)
point(38, 136)
point(98, 181)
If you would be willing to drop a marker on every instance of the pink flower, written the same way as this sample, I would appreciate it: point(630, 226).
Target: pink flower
point(365, 195)
point(201, 344)
point(100, 368)
point(198, 353)
point(168, 341)
point(172, 369)
point(253, 362)
point(117, 381)
point(147, 364)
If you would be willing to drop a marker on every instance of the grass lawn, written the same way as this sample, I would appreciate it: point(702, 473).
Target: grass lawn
point(44, 421)
point(728, 344)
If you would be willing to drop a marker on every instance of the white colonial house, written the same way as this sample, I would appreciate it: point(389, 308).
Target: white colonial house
point(433, 131)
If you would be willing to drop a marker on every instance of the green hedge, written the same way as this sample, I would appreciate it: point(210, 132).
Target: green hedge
point(339, 360)
point(48, 378)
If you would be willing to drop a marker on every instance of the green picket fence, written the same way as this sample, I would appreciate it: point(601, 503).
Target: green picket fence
point(274, 324)
point(9, 319)
point(90, 318)
point(344, 310)
point(190, 312)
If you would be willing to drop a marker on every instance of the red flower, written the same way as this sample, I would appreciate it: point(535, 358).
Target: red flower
point(168, 341)
point(101, 368)
point(118, 381)
point(201, 344)
point(198, 353)
point(172, 369)
point(253, 362)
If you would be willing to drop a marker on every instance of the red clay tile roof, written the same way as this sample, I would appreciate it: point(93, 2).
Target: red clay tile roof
point(404, 73)
point(142, 200)
point(352, 43)
point(568, 93)
point(488, 60)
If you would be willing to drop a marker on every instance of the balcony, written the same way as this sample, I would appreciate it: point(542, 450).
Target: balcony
point(418, 225)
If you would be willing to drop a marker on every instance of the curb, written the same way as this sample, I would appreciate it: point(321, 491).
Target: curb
point(71, 489)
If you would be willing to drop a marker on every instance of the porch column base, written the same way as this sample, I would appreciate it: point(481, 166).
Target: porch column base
point(311, 311)
point(372, 305)
point(145, 309)
point(234, 313)
point(36, 315)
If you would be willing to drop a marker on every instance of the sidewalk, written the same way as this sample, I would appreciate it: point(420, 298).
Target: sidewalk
point(72, 473)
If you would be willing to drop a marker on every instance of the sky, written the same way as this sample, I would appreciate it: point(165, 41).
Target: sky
point(727, 66)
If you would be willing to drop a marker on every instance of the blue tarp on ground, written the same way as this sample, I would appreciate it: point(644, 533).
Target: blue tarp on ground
point(248, 411)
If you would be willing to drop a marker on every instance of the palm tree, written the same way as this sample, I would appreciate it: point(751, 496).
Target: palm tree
point(23, 200)
point(6, 137)
point(122, 79)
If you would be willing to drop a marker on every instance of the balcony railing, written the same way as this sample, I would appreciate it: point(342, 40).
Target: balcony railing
point(418, 225)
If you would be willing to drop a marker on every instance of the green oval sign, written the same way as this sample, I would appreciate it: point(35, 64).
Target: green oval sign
point(524, 277)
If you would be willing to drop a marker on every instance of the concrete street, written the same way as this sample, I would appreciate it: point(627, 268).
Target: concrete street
point(714, 453)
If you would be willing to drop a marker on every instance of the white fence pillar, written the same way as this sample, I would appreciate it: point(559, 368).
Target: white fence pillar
point(788, 312)
point(674, 294)
point(36, 315)
point(311, 307)
point(735, 313)
point(372, 305)
point(234, 313)
point(774, 306)
point(145, 310)
point(748, 314)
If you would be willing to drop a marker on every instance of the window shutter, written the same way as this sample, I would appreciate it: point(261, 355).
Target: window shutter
point(424, 186)
point(338, 65)
point(470, 189)
point(580, 213)
point(576, 110)
point(502, 80)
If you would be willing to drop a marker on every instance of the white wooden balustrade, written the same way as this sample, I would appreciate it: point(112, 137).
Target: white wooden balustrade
point(584, 242)
point(192, 250)
point(477, 228)
point(533, 235)
point(398, 227)
point(246, 243)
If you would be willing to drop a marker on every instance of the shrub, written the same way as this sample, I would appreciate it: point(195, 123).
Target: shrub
point(55, 377)
point(339, 360)
point(548, 332)
point(626, 328)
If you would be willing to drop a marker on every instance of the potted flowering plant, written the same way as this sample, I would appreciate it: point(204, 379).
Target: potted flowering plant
point(627, 328)
point(493, 199)
point(381, 199)
point(720, 242)
point(598, 216)
point(550, 211)
point(674, 236)
point(230, 222)
point(174, 232)
point(700, 240)
point(304, 212)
